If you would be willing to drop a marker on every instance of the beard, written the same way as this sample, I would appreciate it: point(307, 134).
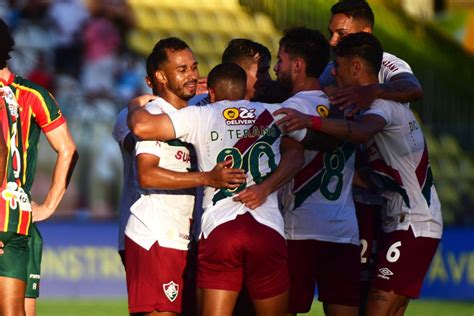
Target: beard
point(284, 81)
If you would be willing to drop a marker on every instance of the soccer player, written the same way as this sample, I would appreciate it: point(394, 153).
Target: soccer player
point(396, 81)
point(29, 109)
point(320, 222)
point(157, 231)
point(242, 239)
point(255, 59)
point(126, 142)
point(398, 156)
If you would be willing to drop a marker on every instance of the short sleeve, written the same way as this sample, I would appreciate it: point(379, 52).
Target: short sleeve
point(392, 66)
point(326, 78)
point(151, 147)
point(381, 108)
point(297, 135)
point(46, 111)
point(121, 129)
point(186, 123)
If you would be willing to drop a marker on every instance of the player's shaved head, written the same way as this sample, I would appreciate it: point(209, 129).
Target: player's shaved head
point(227, 81)
point(159, 54)
point(356, 9)
point(6, 43)
point(363, 45)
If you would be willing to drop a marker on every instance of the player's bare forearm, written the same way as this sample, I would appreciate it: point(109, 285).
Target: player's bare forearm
point(292, 160)
point(402, 88)
point(61, 141)
point(356, 132)
point(151, 176)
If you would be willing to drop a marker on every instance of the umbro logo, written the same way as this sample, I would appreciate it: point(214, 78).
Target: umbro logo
point(385, 273)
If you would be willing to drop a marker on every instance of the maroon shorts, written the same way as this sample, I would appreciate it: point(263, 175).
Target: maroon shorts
point(154, 278)
point(334, 267)
point(402, 262)
point(370, 231)
point(243, 250)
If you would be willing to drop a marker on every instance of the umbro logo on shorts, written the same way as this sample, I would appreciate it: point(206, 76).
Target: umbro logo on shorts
point(171, 290)
point(384, 273)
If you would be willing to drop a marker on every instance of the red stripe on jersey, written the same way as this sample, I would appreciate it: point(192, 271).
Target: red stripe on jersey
point(422, 169)
point(24, 223)
point(56, 123)
point(309, 171)
point(378, 165)
point(264, 120)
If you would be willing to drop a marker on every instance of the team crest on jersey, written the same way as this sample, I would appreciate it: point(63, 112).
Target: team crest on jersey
point(239, 116)
point(171, 290)
point(322, 110)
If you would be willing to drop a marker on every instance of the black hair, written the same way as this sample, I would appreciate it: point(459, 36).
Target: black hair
point(309, 44)
point(229, 80)
point(363, 45)
point(159, 54)
point(240, 50)
point(6, 43)
point(356, 9)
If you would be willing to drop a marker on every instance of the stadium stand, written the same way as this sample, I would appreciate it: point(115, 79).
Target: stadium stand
point(206, 29)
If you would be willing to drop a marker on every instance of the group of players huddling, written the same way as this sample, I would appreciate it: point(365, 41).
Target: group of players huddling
point(320, 178)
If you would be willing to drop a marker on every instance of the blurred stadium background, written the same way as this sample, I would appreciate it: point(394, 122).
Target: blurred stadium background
point(90, 54)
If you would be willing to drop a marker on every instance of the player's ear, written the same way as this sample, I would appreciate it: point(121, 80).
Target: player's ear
point(356, 66)
point(161, 77)
point(148, 82)
point(212, 94)
point(298, 64)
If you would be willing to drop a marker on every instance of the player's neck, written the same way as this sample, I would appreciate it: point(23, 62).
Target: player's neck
point(5, 74)
point(305, 84)
point(366, 79)
point(175, 101)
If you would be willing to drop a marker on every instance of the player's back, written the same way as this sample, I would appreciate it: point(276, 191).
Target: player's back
point(399, 157)
point(244, 132)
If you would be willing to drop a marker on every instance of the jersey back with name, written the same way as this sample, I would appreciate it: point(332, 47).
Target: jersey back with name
point(243, 132)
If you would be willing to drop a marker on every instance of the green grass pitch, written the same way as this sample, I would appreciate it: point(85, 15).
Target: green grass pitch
point(82, 307)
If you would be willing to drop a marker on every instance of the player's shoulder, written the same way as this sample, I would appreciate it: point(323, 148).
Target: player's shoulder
point(158, 106)
point(30, 86)
point(393, 62)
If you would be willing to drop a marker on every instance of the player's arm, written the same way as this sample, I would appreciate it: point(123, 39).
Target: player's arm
point(357, 132)
point(62, 143)
point(149, 126)
point(292, 160)
point(403, 87)
point(152, 176)
point(3, 156)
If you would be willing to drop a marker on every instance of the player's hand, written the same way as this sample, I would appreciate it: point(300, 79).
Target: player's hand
point(201, 85)
point(293, 120)
point(253, 196)
point(1, 247)
point(222, 176)
point(40, 212)
point(354, 99)
point(140, 101)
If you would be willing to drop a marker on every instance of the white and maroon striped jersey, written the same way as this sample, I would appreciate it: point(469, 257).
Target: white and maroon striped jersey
point(317, 204)
point(244, 132)
point(398, 156)
point(163, 215)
